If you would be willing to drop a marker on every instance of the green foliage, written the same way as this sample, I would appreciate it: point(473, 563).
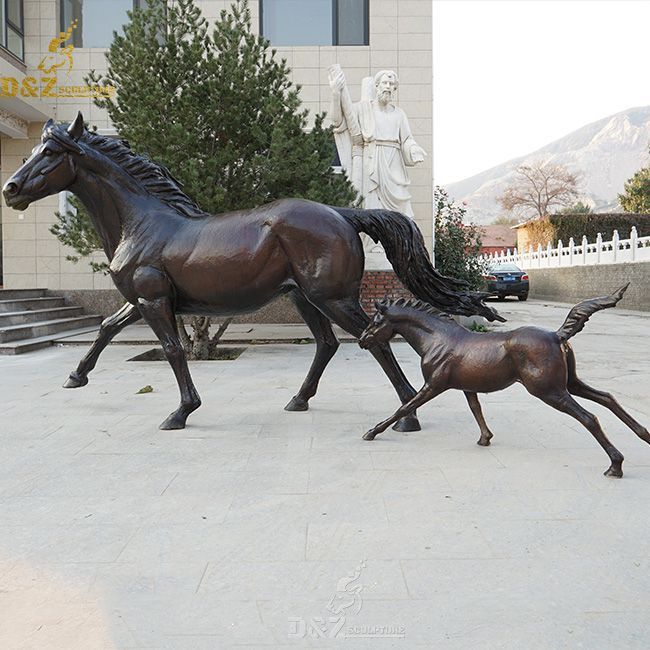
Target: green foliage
point(577, 208)
point(457, 244)
point(75, 229)
point(636, 195)
point(218, 109)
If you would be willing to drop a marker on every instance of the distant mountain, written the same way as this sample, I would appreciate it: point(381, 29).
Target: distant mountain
point(606, 152)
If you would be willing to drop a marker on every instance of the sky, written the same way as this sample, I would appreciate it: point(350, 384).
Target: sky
point(510, 76)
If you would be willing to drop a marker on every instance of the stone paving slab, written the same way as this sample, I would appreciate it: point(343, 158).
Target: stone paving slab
point(241, 530)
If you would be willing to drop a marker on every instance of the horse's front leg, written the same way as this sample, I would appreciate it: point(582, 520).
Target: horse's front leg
point(111, 326)
point(156, 307)
point(425, 394)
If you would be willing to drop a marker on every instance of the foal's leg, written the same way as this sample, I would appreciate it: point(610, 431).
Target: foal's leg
point(349, 314)
point(475, 406)
point(425, 394)
point(564, 402)
point(111, 326)
point(580, 389)
point(326, 346)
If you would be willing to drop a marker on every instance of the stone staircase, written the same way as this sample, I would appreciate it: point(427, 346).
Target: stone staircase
point(30, 320)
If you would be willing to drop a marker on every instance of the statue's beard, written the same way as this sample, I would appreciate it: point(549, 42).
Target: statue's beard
point(385, 96)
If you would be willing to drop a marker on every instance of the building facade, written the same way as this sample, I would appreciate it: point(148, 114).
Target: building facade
point(37, 45)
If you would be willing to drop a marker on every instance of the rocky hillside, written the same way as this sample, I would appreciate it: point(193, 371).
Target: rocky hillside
point(606, 152)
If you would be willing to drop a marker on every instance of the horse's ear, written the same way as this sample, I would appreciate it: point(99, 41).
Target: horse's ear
point(76, 128)
point(380, 305)
point(50, 123)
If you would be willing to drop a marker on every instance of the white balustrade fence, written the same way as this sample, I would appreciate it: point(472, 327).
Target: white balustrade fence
point(617, 250)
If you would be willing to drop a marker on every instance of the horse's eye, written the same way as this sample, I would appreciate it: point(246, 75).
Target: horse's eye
point(47, 152)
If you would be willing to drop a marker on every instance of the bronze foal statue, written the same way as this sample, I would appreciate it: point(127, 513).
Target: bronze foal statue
point(168, 257)
point(541, 360)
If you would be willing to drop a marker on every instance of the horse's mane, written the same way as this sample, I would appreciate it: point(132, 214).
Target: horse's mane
point(413, 303)
point(155, 178)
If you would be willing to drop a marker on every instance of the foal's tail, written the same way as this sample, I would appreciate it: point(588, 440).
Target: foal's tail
point(580, 314)
point(406, 251)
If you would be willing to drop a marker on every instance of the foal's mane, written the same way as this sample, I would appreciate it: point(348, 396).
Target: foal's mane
point(413, 303)
point(155, 178)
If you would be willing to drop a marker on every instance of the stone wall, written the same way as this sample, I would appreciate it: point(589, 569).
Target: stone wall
point(576, 283)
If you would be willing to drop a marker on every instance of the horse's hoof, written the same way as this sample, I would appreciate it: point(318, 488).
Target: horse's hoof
point(75, 381)
point(173, 422)
point(369, 435)
point(297, 404)
point(483, 442)
point(409, 423)
point(614, 473)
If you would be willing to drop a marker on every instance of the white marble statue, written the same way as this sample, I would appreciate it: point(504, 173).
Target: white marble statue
point(374, 142)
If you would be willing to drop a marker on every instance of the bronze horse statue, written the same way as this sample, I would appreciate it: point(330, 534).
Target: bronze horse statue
point(474, 362)
point(168, 257)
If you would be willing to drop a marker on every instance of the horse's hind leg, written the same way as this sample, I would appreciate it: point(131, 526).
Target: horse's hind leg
point(111, 326)
point(326, 346)
point(564, 402)
point(580, 389)
point(475, 407)
point(349, 315)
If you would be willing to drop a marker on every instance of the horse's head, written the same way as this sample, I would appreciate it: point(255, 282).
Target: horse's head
point(380, 329)
point(51, 168)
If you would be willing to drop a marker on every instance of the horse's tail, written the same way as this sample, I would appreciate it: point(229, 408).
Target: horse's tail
point(406, 251)
point(580, 314)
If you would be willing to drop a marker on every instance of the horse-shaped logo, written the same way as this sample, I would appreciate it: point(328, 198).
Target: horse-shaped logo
point(58, 56)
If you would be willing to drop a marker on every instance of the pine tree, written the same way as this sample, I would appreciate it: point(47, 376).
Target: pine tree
point(636, 195)
point(219, 111)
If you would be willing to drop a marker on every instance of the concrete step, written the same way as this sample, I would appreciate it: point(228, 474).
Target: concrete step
point(45, 328)
point(28, 304)
point(38, 315)
point(29, 345)
point(20, 294)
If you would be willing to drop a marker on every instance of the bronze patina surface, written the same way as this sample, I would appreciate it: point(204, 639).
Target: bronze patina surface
point(542, 360)
point(168, 257)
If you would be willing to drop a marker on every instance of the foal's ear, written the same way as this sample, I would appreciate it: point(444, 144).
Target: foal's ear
point(76, 128)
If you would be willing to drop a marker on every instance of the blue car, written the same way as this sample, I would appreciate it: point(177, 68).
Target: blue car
point(506, 280)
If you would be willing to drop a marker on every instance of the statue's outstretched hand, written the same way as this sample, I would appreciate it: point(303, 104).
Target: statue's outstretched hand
point(336, 79)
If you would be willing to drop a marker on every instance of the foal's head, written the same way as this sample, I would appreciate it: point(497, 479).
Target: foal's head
point(51, 168)
point(390, 313)
point(380, 329)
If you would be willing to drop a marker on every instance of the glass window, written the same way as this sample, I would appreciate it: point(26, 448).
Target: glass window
point(315, 22)
point(297, 22)
point(96, 20)
point(15, 12)
point(11, 26)
point(351, 21)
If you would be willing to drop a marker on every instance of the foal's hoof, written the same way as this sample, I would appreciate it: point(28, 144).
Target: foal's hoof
point(409, 423)
point(297, 404)
point(174, 421)
point(484, 442)
point(75, 381)
point(614, 472)
point(370, 435)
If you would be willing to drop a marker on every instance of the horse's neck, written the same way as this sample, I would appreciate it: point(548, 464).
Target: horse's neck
point(110, 195)
point(419, 331)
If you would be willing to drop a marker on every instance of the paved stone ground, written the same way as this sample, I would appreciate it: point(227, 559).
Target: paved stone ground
point(239, 531)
